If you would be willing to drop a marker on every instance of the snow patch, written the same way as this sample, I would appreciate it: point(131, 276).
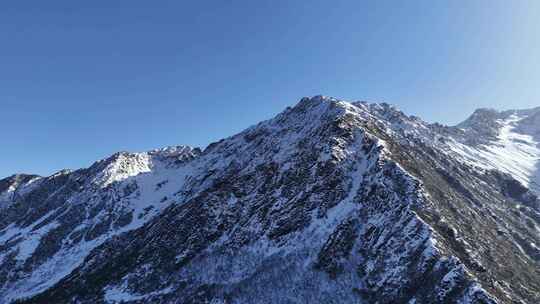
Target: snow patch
point(513, 153)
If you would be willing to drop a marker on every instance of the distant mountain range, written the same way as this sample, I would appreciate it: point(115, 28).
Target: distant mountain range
point(328, 202)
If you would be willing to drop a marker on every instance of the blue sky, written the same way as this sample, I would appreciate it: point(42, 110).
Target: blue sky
point(80, 80)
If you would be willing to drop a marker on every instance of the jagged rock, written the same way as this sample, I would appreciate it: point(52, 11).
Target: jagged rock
point(328, 202)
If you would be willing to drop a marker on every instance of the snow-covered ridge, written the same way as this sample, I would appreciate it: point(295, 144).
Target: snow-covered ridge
point(16, 185)
point(288, 203)
point(514, 150)
point(123, 165)
point(113, 196)
point(508, 141)
point(362, 157)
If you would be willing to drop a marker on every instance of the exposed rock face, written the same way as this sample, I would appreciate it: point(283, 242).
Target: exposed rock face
point(328, 202)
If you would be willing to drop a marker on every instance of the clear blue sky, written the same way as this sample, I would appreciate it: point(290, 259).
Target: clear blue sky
point(80, 80)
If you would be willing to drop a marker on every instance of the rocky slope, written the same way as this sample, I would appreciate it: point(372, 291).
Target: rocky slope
point(328, 202)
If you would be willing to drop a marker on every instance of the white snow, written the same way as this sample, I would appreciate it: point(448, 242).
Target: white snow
point(513, 153)
point(118, 294)
point(475, 290)
point(143, 169)
point(127, 165)
point(31, 241)
point(6, 197)
point(158, 184)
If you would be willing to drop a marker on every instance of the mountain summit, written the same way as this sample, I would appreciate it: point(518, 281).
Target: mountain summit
point(328, 202)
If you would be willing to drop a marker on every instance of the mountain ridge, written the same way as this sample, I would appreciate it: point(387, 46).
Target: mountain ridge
point(332, 189)
point(368, 104)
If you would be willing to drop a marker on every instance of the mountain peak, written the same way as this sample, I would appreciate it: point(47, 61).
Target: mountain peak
point(329, 201)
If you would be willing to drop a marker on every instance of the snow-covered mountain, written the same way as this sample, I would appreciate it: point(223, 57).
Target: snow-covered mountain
point(328, 202)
